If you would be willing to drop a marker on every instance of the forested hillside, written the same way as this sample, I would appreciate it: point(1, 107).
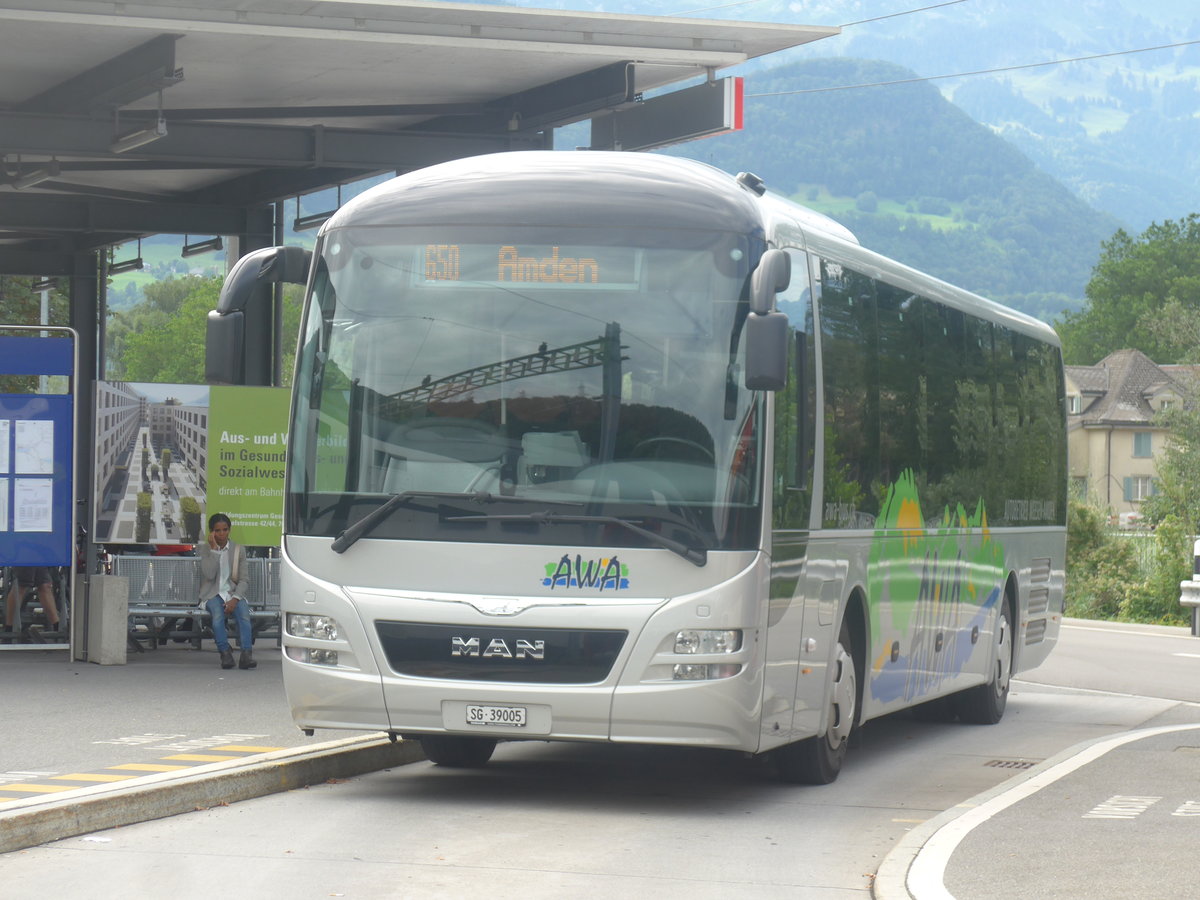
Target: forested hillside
point(1104, 95)
point(917, 179)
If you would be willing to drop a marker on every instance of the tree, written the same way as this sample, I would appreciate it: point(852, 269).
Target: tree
point(20, 304)
point(169, 346)
point(162, 339)
point(142, 522)
point(867, 202)
point(1137, 283)
point(189, 514)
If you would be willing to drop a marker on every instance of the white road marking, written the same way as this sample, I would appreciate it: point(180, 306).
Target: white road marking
point(1121, 806)
point(1182, 633)
point(926, 874)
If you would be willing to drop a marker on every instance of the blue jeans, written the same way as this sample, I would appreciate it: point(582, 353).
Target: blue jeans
point(241, 615)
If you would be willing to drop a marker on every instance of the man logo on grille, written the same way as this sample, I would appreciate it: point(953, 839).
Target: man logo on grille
point(497, 648)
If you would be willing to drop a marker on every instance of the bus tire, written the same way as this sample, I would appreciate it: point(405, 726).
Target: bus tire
point(818, 760)
point(940, 710)
point(457, 752)
point(984, 705)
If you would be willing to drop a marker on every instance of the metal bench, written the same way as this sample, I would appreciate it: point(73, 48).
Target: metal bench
point(163, 603)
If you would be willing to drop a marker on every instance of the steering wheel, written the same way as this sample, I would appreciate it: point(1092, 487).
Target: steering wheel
point(690, 449)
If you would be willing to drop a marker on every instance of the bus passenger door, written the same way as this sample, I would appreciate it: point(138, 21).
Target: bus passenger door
point(793, 436)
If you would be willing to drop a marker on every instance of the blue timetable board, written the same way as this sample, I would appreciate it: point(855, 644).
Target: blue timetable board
point(37, 452)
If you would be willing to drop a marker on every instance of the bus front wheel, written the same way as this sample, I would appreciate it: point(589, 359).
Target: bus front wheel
point(818, 760)
point(457, 752)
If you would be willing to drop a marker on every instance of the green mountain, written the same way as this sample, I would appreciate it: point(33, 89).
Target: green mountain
point(917, 179)
point(1104, 95)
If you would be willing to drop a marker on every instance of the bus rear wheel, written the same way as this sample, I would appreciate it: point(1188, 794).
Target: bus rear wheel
point(818, 760)
point(457, 752)
point(985, 704)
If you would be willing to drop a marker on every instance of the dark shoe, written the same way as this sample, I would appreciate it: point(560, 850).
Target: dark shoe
point(247, 660)
point(226, 659)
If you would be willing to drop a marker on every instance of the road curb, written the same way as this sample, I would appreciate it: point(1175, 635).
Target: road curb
point(40, 820)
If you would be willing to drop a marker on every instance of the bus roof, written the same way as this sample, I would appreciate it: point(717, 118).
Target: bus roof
point(544, 187)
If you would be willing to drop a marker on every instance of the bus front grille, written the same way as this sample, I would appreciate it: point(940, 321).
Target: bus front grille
point(500, 654)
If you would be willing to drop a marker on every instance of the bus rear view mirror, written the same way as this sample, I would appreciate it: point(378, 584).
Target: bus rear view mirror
point(259, 267)
point(225, 338)
point(766, 329)
point(766, 351)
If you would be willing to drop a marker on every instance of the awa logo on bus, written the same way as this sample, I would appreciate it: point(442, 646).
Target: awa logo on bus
point(594, 574)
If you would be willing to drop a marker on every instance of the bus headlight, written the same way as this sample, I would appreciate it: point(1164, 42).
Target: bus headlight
point(321, 628)
point(707, 641)
point(311, 656)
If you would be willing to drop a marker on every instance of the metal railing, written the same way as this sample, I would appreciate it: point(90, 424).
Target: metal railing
point(172, 581)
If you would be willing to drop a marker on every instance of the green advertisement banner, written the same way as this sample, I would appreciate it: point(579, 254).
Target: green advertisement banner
point(247, 445)
point(167, 456)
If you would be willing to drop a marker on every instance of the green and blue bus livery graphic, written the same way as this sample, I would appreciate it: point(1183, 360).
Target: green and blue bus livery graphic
point(932, 593)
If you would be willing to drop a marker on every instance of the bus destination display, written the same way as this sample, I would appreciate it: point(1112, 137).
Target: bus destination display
point(610, 268)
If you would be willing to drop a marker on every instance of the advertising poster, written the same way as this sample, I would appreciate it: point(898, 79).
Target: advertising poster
point(170, 455)
point(247, 440)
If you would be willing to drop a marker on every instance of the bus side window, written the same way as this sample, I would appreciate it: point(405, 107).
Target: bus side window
point(903, 385)
point(850, 368)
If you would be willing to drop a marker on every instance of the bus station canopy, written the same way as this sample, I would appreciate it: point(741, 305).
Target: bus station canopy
point(119, 120)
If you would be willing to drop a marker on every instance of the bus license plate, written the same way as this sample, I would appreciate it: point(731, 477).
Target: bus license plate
point(511, 716)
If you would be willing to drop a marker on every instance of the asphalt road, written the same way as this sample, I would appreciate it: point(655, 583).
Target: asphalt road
point(554, 820)
point(1142, 660)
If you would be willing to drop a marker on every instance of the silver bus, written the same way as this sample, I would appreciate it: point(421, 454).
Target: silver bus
point(621, 448)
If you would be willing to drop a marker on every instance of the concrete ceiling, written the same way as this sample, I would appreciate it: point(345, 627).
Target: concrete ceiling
point(262, 100)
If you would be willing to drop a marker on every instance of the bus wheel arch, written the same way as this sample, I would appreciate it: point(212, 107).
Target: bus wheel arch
point(985, 703)
point(819, 759)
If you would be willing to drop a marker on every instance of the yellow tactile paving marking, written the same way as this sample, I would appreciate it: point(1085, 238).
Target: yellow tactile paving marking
point(53, 784)
point(38, 788)
point(199, 757)
point(149, 767)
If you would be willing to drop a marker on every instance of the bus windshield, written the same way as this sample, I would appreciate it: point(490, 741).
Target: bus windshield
point(492, 374)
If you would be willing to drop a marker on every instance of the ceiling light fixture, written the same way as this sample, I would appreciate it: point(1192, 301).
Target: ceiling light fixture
point(128, 265)
point(37, 176)
point(206, 246)
point(140, 138)
point(313, 219)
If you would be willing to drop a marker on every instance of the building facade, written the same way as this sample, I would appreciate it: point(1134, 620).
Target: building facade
point(1113, 432)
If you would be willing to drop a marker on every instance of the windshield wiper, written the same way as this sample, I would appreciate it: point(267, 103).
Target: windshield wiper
point(350, 536)
point(691, 554)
